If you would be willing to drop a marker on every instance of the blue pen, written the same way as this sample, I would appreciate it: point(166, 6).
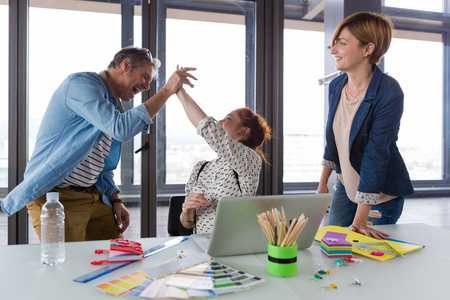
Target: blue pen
point(111, 268)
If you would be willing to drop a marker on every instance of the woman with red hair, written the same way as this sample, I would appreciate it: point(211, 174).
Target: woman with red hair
point(234, 172)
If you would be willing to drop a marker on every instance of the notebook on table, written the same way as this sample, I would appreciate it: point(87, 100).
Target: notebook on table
point(236, 229)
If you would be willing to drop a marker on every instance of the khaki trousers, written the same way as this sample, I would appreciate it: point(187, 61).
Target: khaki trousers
point(87, 218)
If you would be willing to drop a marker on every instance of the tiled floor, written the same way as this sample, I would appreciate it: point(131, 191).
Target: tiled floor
point(431, 211)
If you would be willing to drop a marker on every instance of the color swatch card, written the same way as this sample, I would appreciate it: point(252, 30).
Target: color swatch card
point(195, 276)
point(207, 279)
point(123, 285)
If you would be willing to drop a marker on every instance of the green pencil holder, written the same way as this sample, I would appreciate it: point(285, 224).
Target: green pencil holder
point(282, 261)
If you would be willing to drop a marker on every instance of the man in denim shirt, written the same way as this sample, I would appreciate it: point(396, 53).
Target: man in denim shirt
point(79, 141)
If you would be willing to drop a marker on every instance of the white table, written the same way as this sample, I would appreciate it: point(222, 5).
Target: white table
point(422, 274)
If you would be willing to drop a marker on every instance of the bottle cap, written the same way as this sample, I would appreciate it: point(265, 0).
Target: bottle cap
point(53, 196)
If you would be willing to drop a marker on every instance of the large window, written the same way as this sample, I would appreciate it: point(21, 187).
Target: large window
point(3, 115)
point(422, 28)
point(434, 5)
point(420, 138)
point(303, 96)
point(219, 37)
point(303, 116)
point(219, 50)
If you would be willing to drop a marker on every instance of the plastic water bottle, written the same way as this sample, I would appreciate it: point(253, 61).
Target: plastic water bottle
point(52, 231)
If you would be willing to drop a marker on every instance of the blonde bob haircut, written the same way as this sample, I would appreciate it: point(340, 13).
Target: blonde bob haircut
point(368, 28)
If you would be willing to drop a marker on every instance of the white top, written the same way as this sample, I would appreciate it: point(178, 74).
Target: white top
point(342, 124)
point(217, 178)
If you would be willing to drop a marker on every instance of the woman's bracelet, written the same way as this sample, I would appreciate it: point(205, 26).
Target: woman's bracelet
point(188, 221)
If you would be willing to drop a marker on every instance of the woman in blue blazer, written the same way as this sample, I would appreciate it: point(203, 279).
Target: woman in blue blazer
point(365, 108)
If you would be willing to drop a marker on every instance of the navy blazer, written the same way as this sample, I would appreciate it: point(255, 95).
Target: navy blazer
point(373, 136)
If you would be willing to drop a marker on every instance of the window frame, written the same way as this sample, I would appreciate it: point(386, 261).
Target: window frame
point(166, 190)
point(431, 22)
point(264, 93)
point(419, 21)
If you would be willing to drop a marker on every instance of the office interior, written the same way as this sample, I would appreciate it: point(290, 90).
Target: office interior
point(270, 55)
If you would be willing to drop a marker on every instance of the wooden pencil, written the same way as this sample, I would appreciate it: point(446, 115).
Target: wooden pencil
point(291, 227)
point(273, 223)
point(261, 223)
point(297, 230)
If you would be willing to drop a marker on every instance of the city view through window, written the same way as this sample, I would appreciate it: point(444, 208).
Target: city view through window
point(221, 86)
point(303, 97)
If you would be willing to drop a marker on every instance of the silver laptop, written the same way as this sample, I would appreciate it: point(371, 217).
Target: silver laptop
point(236, 229)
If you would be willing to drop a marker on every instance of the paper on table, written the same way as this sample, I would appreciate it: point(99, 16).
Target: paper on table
point(354, 237)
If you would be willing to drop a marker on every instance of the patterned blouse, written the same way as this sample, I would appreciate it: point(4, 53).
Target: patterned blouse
point(217, 179)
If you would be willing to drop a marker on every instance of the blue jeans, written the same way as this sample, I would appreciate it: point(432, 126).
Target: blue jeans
point(343, 210)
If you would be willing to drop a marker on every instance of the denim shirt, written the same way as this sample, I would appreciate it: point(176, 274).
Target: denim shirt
point(79, 113)
point(373, 135)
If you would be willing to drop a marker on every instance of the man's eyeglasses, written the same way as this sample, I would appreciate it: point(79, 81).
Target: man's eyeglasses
point(140, 53)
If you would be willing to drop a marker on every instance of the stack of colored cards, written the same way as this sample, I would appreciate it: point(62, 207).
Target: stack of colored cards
point(333, 244)
point(121, 250)
point(125, 250)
